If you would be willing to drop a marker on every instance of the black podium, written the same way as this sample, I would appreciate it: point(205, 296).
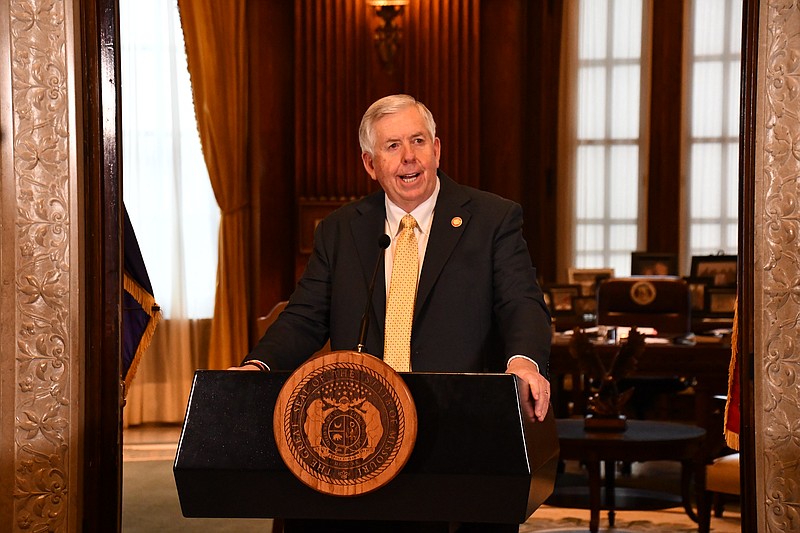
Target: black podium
point(478, 457)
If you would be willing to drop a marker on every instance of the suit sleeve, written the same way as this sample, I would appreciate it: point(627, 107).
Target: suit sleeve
point(303, 327)
point(522, 315)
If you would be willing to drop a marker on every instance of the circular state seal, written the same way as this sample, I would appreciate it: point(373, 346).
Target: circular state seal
point(345, 423)
point(643, 292)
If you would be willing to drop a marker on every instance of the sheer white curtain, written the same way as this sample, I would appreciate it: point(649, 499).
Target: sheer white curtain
point(714, 65)
point(168, 196)
point(601, 120)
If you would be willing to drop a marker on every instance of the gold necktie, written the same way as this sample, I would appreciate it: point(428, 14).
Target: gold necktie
point(402, 294)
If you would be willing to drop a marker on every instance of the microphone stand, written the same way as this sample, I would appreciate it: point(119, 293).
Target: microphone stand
point(383, 243)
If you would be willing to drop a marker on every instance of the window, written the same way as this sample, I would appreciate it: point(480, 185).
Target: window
point(166, 188)
point(605, 125)
point(713, 138)
point(607, 156)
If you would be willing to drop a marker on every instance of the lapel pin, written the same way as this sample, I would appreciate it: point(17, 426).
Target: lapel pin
point(456, 222)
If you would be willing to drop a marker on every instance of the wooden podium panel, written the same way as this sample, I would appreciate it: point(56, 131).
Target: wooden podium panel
point(478, 456)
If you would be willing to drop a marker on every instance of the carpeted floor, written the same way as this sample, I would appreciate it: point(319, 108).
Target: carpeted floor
point(150, 504)
point(150, 500)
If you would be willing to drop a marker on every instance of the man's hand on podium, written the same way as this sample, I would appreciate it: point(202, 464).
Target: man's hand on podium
point(539, 387)
point(252, 364)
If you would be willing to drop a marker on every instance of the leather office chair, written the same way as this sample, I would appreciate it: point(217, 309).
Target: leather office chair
point(722, 480)
point(722, 469)
point(659, 302)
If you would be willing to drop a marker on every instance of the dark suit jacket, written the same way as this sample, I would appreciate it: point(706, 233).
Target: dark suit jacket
point(478, 302)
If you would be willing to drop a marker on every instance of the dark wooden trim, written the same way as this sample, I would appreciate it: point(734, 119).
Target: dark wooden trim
point(666, 110)
point(502, 98)
point(102, 479)
point(540, 107)
point(271, 154)
point(519, 114)
point(747, 178)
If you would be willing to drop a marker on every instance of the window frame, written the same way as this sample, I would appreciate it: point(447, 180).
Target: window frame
point(569, 143)
point(687, 143)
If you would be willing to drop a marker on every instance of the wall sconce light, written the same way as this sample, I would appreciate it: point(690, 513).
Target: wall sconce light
point(388, 34)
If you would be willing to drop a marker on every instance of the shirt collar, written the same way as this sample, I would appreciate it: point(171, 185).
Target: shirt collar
point(423, 213)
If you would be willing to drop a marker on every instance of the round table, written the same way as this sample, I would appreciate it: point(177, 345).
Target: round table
point(641, 441)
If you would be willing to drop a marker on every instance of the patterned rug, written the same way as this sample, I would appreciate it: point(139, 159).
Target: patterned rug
point(577, 525)
point(549, 519)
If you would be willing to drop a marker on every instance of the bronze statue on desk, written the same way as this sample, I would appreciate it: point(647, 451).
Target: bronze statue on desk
point(606, 402)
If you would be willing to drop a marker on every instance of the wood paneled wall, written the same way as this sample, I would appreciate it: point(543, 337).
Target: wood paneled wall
point(338, 75)
point(332, 71)
point(441, 68)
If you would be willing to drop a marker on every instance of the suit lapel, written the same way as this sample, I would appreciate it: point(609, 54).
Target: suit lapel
point(449, 222)
point(366, 229)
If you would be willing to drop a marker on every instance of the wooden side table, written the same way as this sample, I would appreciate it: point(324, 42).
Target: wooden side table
point(641, 441)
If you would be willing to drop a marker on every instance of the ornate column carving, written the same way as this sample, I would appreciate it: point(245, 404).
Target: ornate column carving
point(40, 258)
point(777, 270)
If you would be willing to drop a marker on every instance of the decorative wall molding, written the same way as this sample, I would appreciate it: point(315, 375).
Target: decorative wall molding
point(45, 300)
point(777, 270)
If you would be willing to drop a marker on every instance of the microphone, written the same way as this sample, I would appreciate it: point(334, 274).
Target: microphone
point(383, 244)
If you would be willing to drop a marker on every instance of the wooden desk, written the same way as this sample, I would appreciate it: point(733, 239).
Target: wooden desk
point(642, 441)
point(706, 363)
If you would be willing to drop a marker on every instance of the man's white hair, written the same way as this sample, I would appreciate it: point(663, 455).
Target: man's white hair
point(386, 106)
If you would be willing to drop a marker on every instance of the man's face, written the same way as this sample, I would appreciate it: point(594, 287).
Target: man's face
point(405, 160)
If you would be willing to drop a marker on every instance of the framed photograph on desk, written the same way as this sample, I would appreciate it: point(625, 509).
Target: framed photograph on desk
point(720, 301)
point(650, 264)
point(697, 292)
point(720, 268)
point(562, 299)
point(588, 278)
point(585, 305)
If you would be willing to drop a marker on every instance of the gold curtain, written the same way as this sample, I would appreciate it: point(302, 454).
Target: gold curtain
point(216, 50)
point(163, 381)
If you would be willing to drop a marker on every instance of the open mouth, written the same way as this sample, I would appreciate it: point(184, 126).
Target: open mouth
point(409, 178)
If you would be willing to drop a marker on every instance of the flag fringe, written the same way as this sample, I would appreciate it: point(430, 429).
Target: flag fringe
point(732, 437)
point(149, 306)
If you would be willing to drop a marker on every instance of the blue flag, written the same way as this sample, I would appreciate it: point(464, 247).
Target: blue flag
point(140, 313)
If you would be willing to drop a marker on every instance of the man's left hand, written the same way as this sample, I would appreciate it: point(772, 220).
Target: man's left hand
point(539, 386)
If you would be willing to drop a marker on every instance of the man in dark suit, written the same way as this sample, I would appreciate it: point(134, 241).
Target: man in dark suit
point(478, 307)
